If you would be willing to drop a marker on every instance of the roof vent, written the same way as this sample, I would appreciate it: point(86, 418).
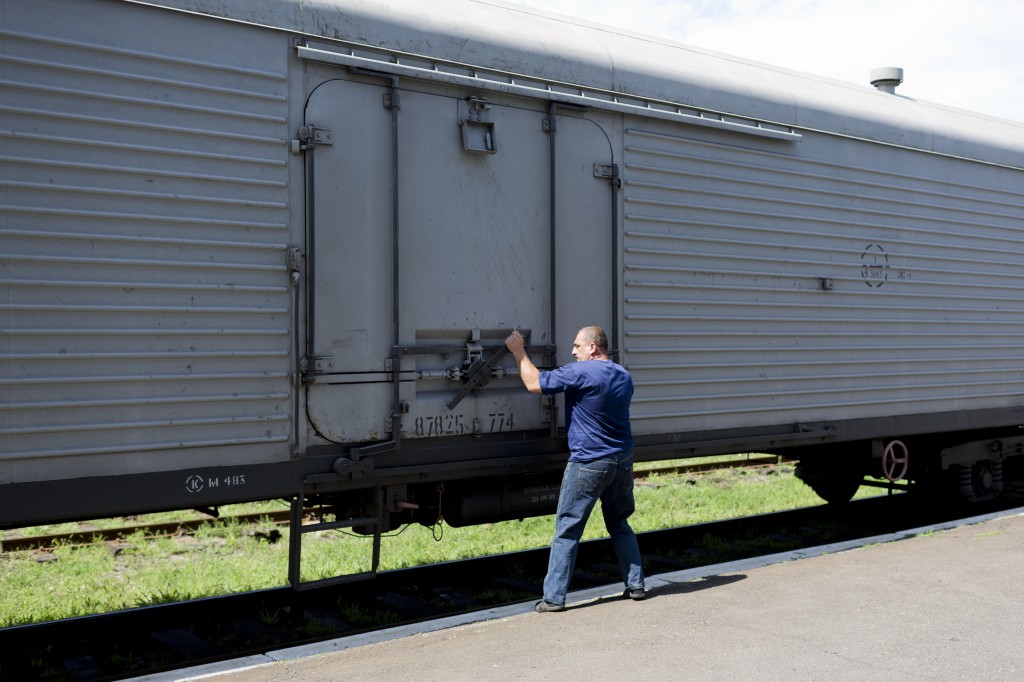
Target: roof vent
point(887, 78)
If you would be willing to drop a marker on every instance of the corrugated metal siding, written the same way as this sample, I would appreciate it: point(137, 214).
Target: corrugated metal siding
point(728, 322)
point(145, 298)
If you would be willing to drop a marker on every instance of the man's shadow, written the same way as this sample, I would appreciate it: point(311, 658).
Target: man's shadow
point(687, 587)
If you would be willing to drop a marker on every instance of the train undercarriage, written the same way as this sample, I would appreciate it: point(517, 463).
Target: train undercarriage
point(966, 466)
point(972, 470)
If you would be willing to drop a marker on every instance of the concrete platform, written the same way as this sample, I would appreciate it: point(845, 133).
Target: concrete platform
point(939, 604)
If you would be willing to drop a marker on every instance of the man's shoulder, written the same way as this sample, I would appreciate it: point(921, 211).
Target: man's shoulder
point(612, 366)
point(590, 368)
point(601, 371)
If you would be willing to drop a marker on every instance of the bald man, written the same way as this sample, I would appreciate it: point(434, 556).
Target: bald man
point(600, 467)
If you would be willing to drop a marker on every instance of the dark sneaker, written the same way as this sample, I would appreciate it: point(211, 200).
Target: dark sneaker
point(635, 595)
point(544, 607)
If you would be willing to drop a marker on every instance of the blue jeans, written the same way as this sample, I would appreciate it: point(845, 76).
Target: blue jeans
point(609, 479)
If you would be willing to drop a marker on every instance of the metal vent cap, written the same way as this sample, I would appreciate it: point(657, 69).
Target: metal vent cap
point(886, 78)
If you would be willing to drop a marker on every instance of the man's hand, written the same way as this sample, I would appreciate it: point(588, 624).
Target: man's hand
point(516, 343)
point(527, 370)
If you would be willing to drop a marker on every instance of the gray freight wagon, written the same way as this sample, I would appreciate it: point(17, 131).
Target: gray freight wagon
point(272, 249)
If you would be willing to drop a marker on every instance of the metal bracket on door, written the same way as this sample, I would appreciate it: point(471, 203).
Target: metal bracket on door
point(310, 136)
point(479, 374)
point(607, 171)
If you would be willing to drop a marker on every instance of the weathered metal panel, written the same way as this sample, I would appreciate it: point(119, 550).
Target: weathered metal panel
point(835, 281)
point(145, 290)
point(474, 258)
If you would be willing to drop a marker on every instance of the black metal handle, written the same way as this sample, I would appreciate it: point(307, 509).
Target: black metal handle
point(479, 375)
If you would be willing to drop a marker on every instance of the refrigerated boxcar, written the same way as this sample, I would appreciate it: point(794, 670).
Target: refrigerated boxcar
point(272, 249)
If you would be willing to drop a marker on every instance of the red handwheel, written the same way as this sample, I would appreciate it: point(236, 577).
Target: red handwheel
point(891, 461)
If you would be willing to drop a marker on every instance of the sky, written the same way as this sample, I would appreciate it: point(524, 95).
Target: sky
point(961, 53)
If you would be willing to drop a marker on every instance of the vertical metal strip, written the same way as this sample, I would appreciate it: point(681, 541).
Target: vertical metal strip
point(295, 541)
point(616, 264)
point(552, 126)
point(396, 361)
point(310, 252)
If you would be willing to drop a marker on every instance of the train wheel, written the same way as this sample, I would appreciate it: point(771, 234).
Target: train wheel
point(979, 481)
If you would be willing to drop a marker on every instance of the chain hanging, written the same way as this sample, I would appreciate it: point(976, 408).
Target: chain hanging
point(438, 528)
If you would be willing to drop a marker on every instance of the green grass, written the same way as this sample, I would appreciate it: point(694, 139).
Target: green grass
point(225, 558)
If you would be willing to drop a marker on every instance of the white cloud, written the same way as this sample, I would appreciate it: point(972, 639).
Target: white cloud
point(962, 53)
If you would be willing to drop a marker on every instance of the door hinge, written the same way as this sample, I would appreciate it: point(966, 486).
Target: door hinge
point(310, 136)
point(608, 171)
point(317, 364)
point(294, 264)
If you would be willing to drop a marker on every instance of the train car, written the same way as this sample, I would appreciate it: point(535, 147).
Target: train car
point(272, 249)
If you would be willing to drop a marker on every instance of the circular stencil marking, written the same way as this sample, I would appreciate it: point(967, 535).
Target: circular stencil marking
point(874, 266)
point(194, 483)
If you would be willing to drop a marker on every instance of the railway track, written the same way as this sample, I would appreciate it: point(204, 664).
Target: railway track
point(161, 638)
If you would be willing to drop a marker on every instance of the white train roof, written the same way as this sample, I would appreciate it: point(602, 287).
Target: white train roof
point(511, 38)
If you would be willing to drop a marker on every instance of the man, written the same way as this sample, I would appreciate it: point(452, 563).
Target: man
point(597, 396)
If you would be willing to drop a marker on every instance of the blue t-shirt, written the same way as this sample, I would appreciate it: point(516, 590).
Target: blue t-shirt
point(597, 395)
